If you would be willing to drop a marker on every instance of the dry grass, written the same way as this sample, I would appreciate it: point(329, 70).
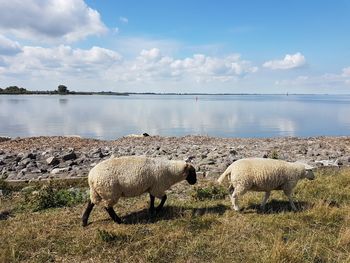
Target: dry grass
point(189, 230)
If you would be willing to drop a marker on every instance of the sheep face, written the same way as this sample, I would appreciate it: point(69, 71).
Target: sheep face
point(309, 174)
point(190, 173)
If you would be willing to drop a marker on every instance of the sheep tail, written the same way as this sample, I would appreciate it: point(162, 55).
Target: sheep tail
point(224, 175)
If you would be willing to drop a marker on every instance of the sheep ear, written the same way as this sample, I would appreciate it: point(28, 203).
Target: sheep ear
point(309, 167)
point(189, 159)
point(187, 168)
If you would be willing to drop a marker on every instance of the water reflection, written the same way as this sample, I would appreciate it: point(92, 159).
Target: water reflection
point(110, 117)
point(63, 101)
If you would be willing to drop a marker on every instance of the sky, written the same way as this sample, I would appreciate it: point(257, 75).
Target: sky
point(226, 46)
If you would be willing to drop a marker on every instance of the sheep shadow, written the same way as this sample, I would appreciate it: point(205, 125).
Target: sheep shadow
point(278, 206)
point(169, 213)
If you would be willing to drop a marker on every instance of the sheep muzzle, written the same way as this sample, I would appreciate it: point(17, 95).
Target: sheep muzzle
point(191, 176)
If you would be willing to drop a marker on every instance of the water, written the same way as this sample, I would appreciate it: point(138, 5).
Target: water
point(110, 117)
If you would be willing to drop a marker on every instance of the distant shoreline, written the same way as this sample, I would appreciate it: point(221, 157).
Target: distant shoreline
point(110, 93)
point(68, 93)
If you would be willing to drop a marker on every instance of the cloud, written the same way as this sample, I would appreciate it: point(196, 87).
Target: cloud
point(61, 61)
point(151, 65)
point(289, 62)
point(49, 20)
point(103, 65)
point(124, 20)
point(346, 72)
point(9, 47)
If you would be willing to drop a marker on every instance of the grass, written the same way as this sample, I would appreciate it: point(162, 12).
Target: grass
point(188, 230)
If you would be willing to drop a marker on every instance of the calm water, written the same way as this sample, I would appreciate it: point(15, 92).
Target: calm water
point(110, 117)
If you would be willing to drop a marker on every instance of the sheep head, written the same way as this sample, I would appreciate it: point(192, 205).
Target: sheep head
point(190, 174)
point(309, 174)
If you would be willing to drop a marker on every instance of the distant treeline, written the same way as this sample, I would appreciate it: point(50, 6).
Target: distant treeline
point(61, 90)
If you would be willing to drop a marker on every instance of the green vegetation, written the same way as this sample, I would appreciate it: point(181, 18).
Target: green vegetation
point(61, 90)
point(213, 192)
point(13, 90)
point(50, 197)
point(204, 229)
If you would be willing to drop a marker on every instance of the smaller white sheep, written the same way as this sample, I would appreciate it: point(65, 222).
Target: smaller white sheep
point(131, 176)
point(261, 174)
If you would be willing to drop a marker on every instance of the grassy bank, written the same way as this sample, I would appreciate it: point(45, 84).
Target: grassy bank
point(201, 228)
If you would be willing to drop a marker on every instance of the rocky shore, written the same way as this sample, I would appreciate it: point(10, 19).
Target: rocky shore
point(38, 158)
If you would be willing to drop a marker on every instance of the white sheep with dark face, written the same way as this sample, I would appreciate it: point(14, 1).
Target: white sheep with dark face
point(261, 174)
point(131, 176)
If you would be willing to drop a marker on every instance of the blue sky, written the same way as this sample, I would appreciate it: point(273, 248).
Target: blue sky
point(176, 46)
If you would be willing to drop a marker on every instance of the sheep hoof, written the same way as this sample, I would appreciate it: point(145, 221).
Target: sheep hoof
point(237, 209)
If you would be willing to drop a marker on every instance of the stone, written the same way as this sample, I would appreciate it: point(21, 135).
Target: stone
point(233, 152)
point(30, 156)
point(52, 161)
point(25, 161)
point(59, 170)
point(4, 138)
point(69, 156)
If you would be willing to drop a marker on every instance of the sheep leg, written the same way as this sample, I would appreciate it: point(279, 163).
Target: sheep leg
point(234, 197)
point(288, 193)
point(160, 206)
point(151, 207)
point(87, 212)
point(113, 215)
point(266, 197)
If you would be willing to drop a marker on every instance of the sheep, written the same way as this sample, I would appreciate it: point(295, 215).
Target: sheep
point(131, 176)
point(261, 174)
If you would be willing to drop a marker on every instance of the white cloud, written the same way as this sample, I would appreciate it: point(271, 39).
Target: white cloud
point(9, 47)
point(61, 61)
point(289, 62)
point(49, 20)
point(152, 54)
point(151, 65)
point(346, 72)
point(124, 20)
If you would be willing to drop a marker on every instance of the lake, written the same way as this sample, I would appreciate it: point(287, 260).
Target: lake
point(111, 117)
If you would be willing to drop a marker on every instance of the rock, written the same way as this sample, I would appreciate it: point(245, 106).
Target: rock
point(7, 156)
point(12, 176)
point(327, 163)
point(29, 155)
point(4, 138)
point(233, 152)
point(203, 156)
point(59, 170)
point(25, 161)
point(2, 152)
point(208, 161)
point(69, 156)
point(52, 161)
